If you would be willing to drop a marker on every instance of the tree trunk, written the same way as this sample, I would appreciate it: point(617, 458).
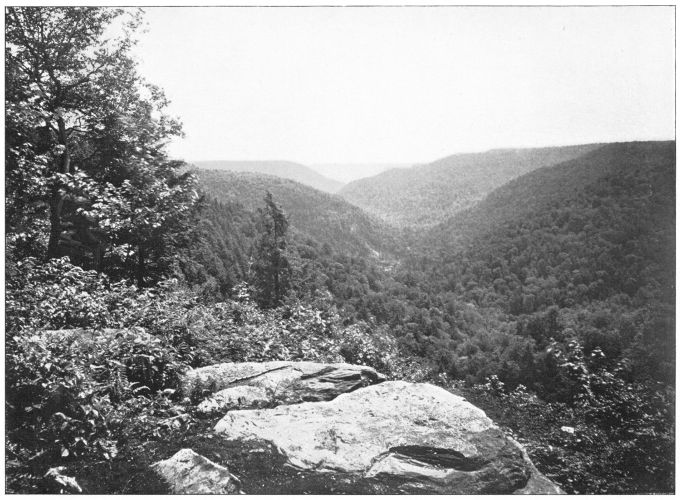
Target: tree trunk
point(57, 199)
point(277, 291)
point(141, 267)
point(56, 203)
point(98, 257)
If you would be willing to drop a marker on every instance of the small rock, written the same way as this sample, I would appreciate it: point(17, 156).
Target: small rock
point(188, 473)
point(57, 482)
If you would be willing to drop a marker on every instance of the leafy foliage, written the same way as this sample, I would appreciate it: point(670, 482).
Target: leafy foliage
point(87, 173)
point(617, 436)
point(69, 389)
point(238, 330)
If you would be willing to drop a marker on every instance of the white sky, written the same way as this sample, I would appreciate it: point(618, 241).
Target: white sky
point(408, 85)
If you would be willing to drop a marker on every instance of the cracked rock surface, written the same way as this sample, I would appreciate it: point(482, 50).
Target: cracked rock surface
point(256, 385)
point(291, 427)
point(411, 438)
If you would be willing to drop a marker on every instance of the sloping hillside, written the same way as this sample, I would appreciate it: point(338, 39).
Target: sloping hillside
point(283, 169)
point(325, 217)
point(581, 250)
point(620, 181)
point(348, 172)
point(425, 195)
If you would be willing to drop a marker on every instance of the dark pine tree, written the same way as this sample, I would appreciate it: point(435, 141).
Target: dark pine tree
point(271, 269)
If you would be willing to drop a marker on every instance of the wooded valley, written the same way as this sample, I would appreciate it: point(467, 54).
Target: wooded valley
point(538, 283)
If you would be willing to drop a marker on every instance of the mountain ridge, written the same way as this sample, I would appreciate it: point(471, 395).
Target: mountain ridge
point(557, 182)
point(318, 214)
point(279, 168)
point(427, 194)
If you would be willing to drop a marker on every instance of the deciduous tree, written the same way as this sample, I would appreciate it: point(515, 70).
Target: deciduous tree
point(86, 136)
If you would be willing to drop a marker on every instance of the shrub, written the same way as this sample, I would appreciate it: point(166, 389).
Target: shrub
point(375, 347)
point(57, 294)
point(613, 437)
point(66, 388)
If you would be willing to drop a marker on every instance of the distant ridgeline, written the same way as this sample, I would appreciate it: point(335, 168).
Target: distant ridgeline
point(425, 195)
point(284, 169)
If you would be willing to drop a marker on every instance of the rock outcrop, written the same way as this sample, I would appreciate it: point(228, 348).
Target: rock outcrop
point(303, 427)
point(188, 473)
point(259, 385)
point(413, 438)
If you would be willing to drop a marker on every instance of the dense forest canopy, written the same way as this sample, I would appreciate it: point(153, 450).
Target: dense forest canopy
point(431, 193)
point(536, 282)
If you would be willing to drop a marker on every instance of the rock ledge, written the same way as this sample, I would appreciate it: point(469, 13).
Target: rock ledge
point(415, 438)
point(264, 385)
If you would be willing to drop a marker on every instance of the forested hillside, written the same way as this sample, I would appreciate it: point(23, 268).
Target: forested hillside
point(537, 283)
point(332, 245)
point(325, 217)
point(569, 266)
point(587, 245)
point(558, 283)
point(284, 169)
point(425, 195)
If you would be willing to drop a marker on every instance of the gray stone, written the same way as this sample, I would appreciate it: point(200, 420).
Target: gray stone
point(416, 438)
point(58, 482)
point(257, 385)
point(188, 473)
point(240, 396)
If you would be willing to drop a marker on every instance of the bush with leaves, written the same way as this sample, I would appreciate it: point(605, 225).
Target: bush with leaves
point(239, 330)
point(613, 436)
point(77, 367)
point(57, 294)
point(375, 347)
point(68, 389)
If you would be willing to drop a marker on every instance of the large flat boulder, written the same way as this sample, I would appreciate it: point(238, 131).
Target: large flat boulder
point(255, 385)
point(410, 438)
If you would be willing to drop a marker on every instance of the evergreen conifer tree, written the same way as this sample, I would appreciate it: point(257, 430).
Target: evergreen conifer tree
point(271, 269)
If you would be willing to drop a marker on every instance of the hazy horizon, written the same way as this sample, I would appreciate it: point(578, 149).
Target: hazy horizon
point(340, 172)
point(409, 85)
point(348, 172)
